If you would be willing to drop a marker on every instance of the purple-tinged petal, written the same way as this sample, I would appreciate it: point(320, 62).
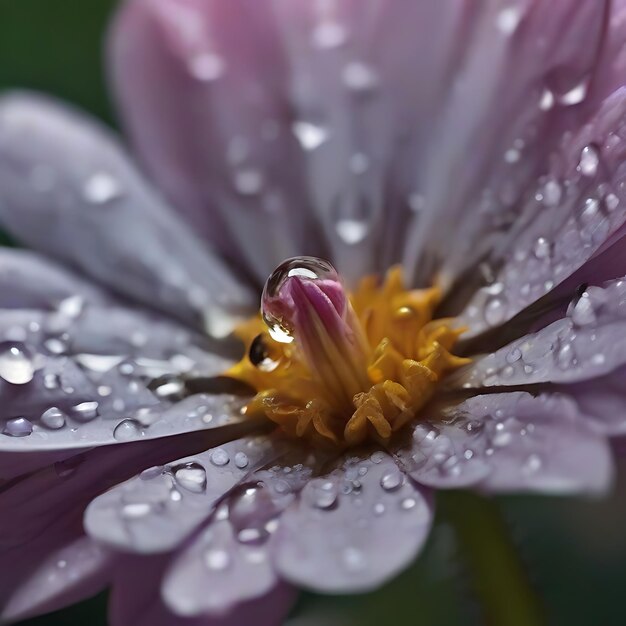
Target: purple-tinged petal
point(67, 189)
point(65, 574)
point(542, 444)
point(66, 488)
point(30, 281)
point(157, 510)
point(577, 208)
point(588, 343)
point(352, 529)
point(203, 92)
point(229, 561)
point(135, 600)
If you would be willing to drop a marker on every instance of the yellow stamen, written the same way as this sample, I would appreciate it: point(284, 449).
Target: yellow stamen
point(332, 396)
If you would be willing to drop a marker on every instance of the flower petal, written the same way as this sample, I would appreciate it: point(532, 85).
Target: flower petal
point(57, 575)
point(202, 89)
point(588, 343)
point(229, 561)
point(576, 210)
point(157, 510)
point(135, 600)
point(530, 443)
point(353, 529)
point(67, 189)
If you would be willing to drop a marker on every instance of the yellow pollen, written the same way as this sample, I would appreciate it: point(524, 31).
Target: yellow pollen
point(407, 353)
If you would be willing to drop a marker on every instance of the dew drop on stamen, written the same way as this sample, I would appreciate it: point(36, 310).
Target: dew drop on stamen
point(16, 363)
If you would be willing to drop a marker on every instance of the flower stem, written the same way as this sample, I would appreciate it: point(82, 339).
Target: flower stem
point(497, 573)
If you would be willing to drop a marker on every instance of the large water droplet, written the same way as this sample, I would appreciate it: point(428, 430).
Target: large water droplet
point(305, 267)
point(53, 418)
point(191, 476)
point(16, 363)
point(127, 430)
point(18, 427)
point(101, 188)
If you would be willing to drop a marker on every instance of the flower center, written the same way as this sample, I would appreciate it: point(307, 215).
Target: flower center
point(343, 368)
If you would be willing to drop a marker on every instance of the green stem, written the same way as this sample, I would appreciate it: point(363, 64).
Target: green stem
point(497, 573)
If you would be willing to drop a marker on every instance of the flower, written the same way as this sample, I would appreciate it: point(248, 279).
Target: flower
point(481, 148)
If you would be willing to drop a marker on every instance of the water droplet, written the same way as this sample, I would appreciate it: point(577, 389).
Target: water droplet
point(220, 457)
point(241, 460)
point(191, 476)
point(328, 34)
point(324, 493)
point(303, 267)
point(206, 66)
point(611, 201)
point(16, 363)
point(352, 230)
point(127, 430)
point(101, 188)
point(542, 248)
point(377, 457)
point(408, 503)
point(474, 426)
point(392, 480)
point(310, 136)
point(379, 508)
point(260, 354)
point(547, 100)
point(575, 95)
point(582, 312)
point(359, 76)
point(85, 411)
point(589, 161)
point(565, 356)
point(217, 560)
point(552, 192)
point(71, 306)
point(171, 388)
point(495, 311)
point(513, 356)
point(53, 418)
point(18, 427)
point(508, 19)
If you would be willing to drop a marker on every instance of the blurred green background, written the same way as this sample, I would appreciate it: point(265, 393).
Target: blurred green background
point(574, 549)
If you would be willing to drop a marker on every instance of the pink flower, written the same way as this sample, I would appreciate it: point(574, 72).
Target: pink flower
point(480, 147)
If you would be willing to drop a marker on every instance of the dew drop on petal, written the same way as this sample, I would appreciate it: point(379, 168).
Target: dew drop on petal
point(533, 464)
point(328, 34)
point(16, 363)
point(220, 457)
point(552, 193)
point(508, 19)
point(352, 230)
point(101, 188)
point(575, 95)
point(217, 560)
point(206, 66)
point(310, 136)
point(495, 311)
point(53, 418)
point(359, 76)
point(324, 494)
point(390, 481)
point(241, 460)
point(589, 161)
point(542, 248)
point(18, 427)
point(85, 411)
point(127, 430)
point(353, 559)
point(191, 476)
point(408, 503)
point(136, 510)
